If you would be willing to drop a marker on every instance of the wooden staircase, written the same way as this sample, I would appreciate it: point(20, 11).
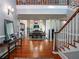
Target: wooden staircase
point(67, 38)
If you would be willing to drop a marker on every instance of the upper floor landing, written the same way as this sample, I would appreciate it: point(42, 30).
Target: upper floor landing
point(43, 2)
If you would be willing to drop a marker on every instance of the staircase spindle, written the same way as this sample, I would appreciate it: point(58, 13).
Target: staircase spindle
point(71, 33)
point(74, 30)
point(76, 22)
point(67, 38)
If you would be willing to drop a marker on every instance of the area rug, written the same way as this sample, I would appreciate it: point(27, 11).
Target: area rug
point(32, 58)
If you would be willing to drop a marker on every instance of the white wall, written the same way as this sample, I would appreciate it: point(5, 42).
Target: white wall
point(47, 28)
point(51, 24)
point(4, 4)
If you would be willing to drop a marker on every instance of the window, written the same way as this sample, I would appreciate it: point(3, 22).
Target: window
point(36, 26)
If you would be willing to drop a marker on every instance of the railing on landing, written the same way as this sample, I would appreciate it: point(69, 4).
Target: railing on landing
point(68, 35)
point(42, 2)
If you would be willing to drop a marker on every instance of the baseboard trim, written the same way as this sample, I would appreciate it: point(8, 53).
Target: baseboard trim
point(62, 55)
point(2, 36)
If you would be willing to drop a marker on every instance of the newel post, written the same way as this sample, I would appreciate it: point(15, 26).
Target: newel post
point(55, 42)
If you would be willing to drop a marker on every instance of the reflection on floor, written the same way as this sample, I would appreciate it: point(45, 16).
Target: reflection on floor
point(37, 38)
point(34, 49)
point(33, 58)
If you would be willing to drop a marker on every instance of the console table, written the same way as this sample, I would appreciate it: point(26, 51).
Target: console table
point(10, 46)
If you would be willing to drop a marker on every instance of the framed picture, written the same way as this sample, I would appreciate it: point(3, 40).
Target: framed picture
point(8, 28)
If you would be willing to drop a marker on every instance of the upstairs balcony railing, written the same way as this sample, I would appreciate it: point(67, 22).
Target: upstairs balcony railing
point(42, 2)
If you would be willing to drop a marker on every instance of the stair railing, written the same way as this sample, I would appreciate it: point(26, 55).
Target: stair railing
point(69, 33)
point(42, 2)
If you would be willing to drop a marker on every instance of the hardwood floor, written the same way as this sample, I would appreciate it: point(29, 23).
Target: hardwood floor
point(34, 49)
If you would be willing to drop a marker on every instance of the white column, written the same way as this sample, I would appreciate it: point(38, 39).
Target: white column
point(77, 26)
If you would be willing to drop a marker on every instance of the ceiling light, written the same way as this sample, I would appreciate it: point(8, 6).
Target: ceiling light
point(12, 9)
point(9, 7)
point(51, 6)
point(64, 22)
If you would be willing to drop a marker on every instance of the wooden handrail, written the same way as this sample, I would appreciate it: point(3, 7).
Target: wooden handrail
point(71, 18)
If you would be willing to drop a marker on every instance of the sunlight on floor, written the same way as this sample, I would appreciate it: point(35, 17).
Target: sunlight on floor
point(41, 46)
point(36, 52)
point(46, 41)
point(31, 46)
